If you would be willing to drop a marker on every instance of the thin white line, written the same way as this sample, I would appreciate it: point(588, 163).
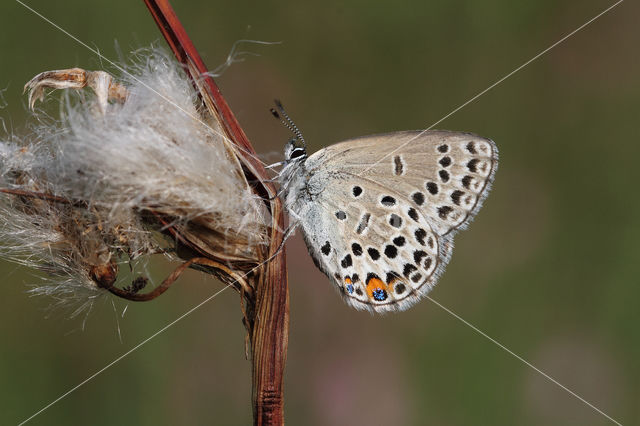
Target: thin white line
point(518, 357)
point(125, 354)
point(497, 82)
point(135, 78)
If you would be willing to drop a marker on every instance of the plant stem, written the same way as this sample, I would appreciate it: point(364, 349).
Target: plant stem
point(269, 322)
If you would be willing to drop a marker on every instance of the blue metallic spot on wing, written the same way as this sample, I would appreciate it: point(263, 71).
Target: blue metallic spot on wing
point(379, 294)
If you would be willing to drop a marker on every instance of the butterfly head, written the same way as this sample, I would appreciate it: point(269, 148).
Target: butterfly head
point(289, 177)
point(294, 152)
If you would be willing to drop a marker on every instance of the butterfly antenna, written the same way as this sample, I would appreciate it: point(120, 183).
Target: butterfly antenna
point(287, 121)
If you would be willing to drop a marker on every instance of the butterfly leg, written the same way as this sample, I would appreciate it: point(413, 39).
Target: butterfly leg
point(104, 86)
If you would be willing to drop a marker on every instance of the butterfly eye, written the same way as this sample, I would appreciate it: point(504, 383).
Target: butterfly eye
point(297, 152)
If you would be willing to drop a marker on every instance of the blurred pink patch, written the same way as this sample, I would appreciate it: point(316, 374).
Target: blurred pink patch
point(368, 386)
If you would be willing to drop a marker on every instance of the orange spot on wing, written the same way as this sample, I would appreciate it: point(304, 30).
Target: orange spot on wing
point(375, 283)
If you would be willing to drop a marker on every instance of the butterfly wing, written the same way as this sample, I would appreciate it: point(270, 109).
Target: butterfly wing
point(381, 257)
point(381, 211)
point(446, 174)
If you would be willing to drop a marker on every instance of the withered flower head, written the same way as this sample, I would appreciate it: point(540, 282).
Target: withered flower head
point(133, 171)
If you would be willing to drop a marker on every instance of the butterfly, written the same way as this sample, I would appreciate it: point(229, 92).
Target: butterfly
point(379, 213)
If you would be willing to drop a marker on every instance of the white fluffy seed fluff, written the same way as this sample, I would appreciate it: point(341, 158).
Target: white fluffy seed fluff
point(151, 153)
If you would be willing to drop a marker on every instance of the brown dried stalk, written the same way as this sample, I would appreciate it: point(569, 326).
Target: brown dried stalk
point(268, 316)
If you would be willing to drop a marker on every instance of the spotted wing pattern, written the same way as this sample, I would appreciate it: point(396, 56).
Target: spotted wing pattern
point(383, 211)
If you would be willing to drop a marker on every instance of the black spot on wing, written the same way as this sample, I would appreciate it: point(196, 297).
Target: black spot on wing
point(466, 181)
point(444, 211)
point(399, 241)
point(471, 148)
point(392, 276)
point(427, 263)
point(413, 214)
point(390, 251)
point(455, 196)
point(398, 167)
point(418, 255)
point(395, 221)
point(326, 248)
point(364, 222)
point(371, 276)
point(430, 242)
point(388, 201)
point(408, 269)
point(374, 254)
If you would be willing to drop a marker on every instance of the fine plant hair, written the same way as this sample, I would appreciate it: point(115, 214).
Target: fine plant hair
point(99, 187)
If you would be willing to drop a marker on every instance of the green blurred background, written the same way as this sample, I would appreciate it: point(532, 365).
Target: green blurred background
point(548, 268)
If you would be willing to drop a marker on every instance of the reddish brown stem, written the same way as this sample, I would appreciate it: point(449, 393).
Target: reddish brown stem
point(168, 282)
point(186, 53)
point(270, 323)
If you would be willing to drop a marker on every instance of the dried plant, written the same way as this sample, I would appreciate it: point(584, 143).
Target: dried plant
point(126, 173)
point(151, 163)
